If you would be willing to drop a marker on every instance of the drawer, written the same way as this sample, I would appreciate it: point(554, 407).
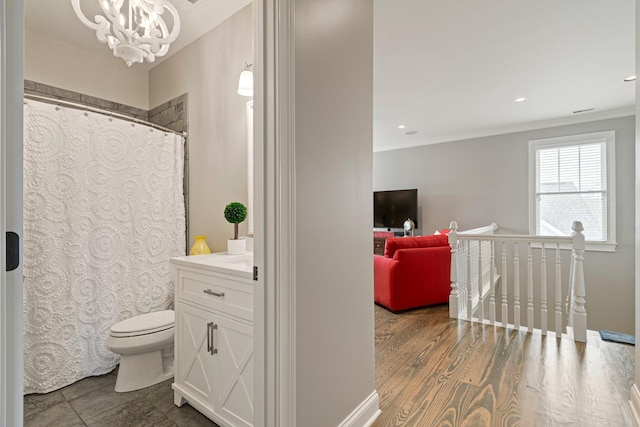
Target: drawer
point(216, 292)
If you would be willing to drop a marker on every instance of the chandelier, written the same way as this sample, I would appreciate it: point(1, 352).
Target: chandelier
point(135, 32)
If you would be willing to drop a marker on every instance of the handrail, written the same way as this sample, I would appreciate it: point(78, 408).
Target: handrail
point(480, 230)
point(516, 238)
point(467, 293)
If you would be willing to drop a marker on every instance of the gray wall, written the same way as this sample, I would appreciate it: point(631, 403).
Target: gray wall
point(484, 180)
point(333, 161)
point(97, 74)
point(208, 70)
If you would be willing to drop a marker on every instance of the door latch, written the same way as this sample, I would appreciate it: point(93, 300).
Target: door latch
point(13, 250)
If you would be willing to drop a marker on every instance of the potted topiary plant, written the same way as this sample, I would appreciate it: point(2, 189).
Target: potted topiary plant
point(235, 213)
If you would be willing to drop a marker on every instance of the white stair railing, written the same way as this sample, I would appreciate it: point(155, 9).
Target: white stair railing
point(483, 270)
point(474, 277)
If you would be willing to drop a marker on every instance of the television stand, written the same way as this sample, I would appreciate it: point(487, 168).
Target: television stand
point(378, 245)
point(379, 240)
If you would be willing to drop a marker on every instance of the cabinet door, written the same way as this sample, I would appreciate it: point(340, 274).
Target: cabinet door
point(234, 389)
point(196, 369)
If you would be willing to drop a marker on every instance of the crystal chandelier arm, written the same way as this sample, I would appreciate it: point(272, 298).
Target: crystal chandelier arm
point(167, 38)
point(156, 46)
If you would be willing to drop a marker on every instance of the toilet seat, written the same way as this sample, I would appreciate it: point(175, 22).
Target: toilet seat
point(144, 324)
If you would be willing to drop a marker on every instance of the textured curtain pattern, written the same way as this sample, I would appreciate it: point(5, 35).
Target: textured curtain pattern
point(103, 213)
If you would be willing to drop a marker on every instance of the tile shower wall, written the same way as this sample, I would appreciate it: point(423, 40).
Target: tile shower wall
point(35, 88)
point(171, 115)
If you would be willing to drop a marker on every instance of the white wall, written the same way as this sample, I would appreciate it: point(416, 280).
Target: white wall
point(62, 65)
point(208, 70)
point(484, 180)
point(333, 209)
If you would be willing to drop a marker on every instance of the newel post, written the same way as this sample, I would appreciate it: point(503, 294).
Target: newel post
point(454, 296)
point(578, 315)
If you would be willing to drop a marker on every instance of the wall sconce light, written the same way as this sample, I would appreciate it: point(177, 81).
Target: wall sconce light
point(245, 84)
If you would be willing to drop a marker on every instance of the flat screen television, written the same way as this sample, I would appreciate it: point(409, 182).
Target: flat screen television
point(392, 208)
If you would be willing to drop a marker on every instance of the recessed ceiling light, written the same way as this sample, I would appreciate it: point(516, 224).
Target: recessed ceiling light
point(401, 126)
point(520, 100)
point(630, 79)
point(411, 132)
point(586, 110)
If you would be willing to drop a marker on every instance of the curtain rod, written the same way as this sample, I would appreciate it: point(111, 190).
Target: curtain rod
point(77, 106)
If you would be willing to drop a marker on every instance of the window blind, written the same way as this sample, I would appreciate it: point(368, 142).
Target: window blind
point(571, 185)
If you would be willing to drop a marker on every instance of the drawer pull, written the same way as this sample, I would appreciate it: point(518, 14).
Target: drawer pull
point(215, 294)
point(209, 337)
point(214, 350)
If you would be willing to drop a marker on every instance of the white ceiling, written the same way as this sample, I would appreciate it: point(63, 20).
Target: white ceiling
point(56, 18)
point(452, 69)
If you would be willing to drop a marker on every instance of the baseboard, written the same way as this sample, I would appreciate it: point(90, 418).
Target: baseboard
point(634, 402)
point(365, 414)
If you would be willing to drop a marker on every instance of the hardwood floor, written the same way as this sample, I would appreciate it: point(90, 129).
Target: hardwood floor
point(435, 371)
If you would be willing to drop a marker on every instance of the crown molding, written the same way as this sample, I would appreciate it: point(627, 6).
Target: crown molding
point(543, 124)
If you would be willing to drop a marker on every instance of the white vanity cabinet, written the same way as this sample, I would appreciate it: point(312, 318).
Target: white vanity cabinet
point(214, 337)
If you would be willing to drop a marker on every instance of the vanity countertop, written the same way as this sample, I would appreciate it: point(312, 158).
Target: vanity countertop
point(220, 262)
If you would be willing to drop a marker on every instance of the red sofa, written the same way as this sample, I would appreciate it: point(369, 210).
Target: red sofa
point(414, 272)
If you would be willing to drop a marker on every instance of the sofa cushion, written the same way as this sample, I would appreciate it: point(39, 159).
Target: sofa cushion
point(395, 243)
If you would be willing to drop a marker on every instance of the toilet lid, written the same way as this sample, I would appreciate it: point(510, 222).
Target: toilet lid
point(145, 323)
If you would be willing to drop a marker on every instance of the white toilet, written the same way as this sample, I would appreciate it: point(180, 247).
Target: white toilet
point(145, 343)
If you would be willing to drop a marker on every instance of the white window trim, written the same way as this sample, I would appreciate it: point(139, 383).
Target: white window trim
point(609, 138)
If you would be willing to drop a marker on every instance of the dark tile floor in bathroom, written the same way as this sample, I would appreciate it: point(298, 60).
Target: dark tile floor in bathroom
point(93, 402)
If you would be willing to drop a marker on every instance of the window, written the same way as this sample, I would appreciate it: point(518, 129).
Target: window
point(573, 179)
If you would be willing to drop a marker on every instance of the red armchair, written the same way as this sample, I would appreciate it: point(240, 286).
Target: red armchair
point(414, 272)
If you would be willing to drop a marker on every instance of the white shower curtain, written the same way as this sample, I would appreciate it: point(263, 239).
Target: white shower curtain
point(103, 213)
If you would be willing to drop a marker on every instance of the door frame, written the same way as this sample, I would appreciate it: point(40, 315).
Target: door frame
point(274, 192)
point(11, 94)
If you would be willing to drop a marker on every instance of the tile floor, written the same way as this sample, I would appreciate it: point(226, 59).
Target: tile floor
point(93, 402)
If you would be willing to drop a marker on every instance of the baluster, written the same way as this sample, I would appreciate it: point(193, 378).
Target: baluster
point(455, 290)
point(462, 275)
point(559, 323)
point(568, 305)
point(516, 286)
point(543, 291)
point(469, 283)
point(480, 285)
point(503, 278)
point(578, 312)
point(492, 284)
point(529, 288)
